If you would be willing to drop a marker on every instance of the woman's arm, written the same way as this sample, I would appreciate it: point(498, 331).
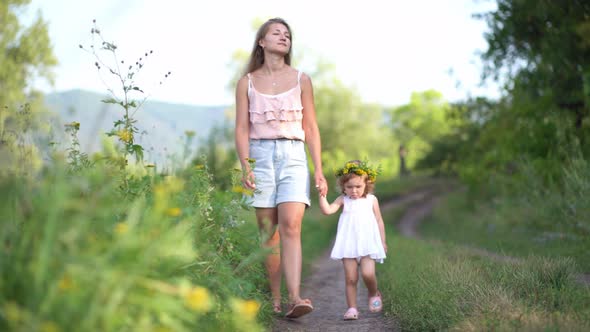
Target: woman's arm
point(242, 132)
point(312, 133)
point(327, 208)
point(380, 223)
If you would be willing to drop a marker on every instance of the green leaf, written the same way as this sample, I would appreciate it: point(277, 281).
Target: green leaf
point(110, 101)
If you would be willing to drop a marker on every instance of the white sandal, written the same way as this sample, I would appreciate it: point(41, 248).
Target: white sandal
point(351, 314)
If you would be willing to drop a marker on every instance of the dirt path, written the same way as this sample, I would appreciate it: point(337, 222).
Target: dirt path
point(325, 286)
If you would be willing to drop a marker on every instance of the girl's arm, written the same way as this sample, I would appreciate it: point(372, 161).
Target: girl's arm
point(380, 223)
point(242, 131)
point(312, 133)
point(327, 208)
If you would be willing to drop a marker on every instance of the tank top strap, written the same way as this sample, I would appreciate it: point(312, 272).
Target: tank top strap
point(249, 83)
point(298, 76)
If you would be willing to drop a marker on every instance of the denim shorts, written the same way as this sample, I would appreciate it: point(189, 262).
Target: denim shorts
point(281, 172)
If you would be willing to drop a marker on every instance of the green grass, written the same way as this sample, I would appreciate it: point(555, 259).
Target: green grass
point(387, 188)
point(77, 255)
point(503, 228)
point(442, 283)
point(437, 286)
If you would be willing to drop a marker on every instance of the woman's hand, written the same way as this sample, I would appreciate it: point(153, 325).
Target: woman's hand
point(248, 179)
point(384, 246)
point(321, 184)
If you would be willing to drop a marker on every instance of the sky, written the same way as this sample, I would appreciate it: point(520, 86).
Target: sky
point(383, 49)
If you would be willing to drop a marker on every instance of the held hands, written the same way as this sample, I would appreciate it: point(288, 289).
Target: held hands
point(321, 184)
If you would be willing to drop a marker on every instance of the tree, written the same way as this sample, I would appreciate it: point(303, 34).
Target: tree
point(420, 123)
point(543, 47)
point(25, 54)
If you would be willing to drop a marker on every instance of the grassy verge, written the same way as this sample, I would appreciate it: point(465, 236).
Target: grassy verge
point(501, 229)
point(393, 187)
point(77, 255)
point(522, 216)
point(442, 287)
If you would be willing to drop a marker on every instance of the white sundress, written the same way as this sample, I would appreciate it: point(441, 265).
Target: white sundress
point(358, 232)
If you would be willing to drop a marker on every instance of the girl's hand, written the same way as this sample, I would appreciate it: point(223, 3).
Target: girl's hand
point(321, 184)
point(384, 246)
point(248, 179)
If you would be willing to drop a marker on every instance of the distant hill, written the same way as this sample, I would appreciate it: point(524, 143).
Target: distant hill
point(163, 123)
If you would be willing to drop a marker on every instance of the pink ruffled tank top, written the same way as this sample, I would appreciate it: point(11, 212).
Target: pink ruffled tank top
point(276, 116)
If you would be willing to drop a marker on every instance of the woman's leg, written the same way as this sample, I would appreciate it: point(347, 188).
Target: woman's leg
point(351, 278)
point(267, 223)
point(369, 276)
point(290, 215)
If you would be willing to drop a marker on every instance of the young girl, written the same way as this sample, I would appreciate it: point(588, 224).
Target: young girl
point(361, 233)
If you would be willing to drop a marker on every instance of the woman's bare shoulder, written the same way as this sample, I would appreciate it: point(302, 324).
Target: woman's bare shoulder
point(242, 82)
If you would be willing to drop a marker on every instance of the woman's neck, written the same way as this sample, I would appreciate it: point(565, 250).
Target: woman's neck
point(273, 65)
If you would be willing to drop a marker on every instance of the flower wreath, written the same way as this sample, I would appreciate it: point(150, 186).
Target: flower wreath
point(359, 168)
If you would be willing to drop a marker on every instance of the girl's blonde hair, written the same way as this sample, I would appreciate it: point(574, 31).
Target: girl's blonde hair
point(369, 185)
point(358, 168)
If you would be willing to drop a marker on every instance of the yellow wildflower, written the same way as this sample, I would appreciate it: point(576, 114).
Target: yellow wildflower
point(74, 125)
point(49, 326)
point(162, 329)
point(173, 212)
point(198, 299)
point(247, 309)
point(121, 228)
point(12, 312)
point(65, 283)
point(199, 166)
point(125, 135)
point(174, 184)
point(242, 190)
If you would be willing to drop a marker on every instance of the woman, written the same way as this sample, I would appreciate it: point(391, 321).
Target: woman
point(275, 118)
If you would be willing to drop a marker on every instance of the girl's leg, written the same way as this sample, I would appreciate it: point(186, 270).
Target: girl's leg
point(351, 278)
point(369, 276)
point(290, 215)
point(267, 224)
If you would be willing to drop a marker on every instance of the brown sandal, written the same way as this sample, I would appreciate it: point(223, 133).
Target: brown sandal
point(299, 309)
